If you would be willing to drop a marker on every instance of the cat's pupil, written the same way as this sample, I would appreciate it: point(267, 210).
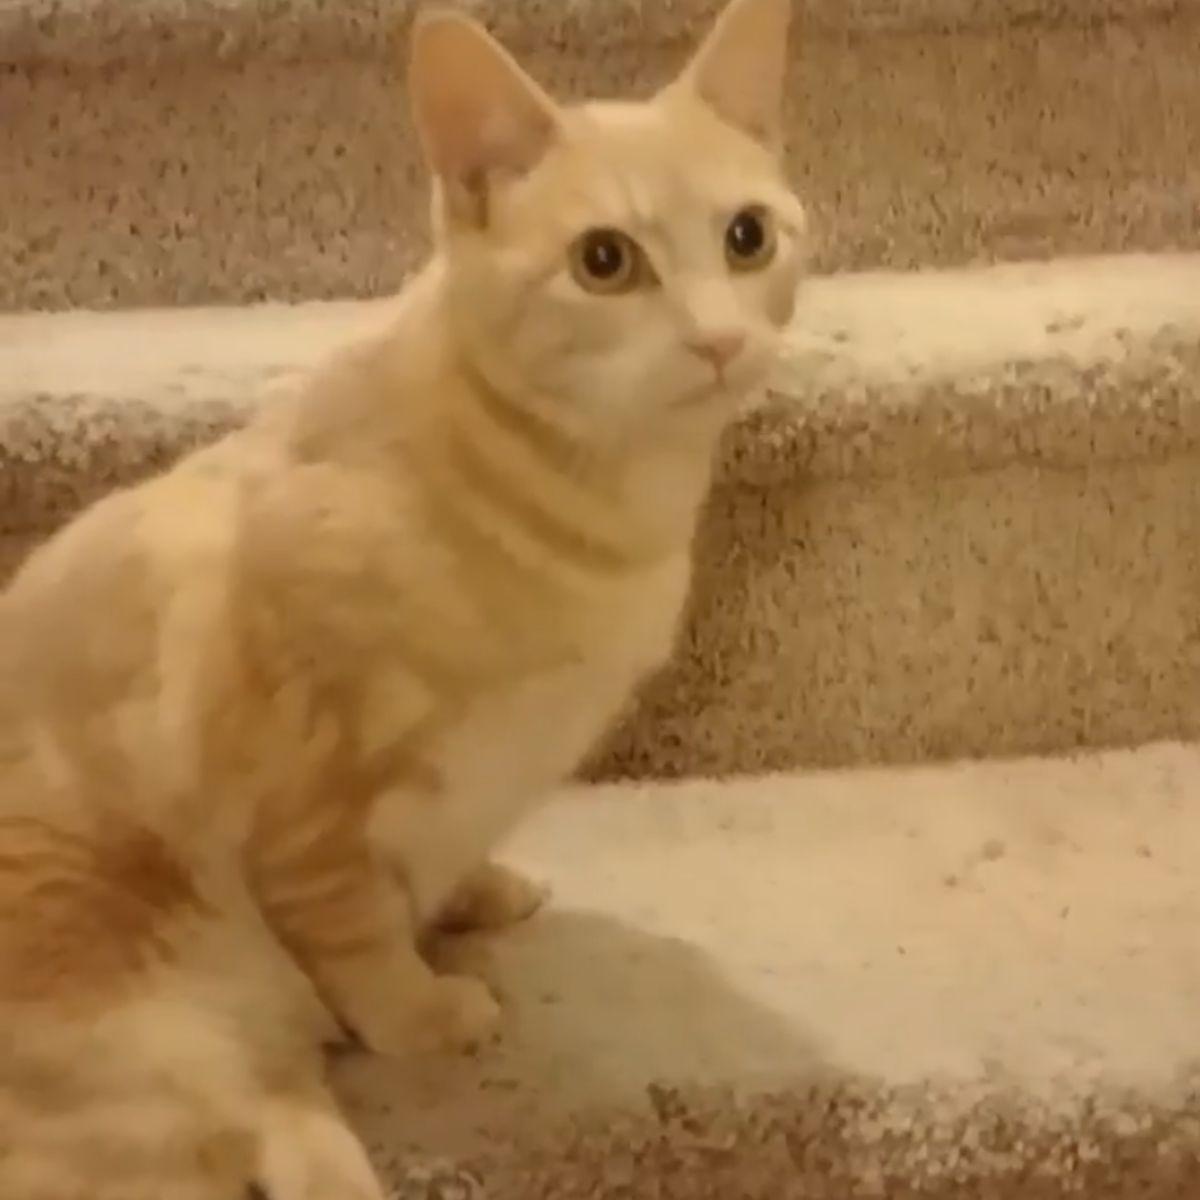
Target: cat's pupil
point(603, 254)
point(746, 235)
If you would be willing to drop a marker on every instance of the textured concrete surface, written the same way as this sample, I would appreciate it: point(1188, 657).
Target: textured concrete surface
point(967, 981)
point(967, 523)
point(189, 151)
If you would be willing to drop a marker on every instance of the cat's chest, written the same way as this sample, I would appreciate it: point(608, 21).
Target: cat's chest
point(543, 723)
point(536, 730)
point(509, 747)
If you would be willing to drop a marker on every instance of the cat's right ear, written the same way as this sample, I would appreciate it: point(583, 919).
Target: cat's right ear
point(739, 70)
point(478, 115)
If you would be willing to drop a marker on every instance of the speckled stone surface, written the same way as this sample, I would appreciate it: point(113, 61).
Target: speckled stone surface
point(967, 521)
point(969, 982)
point(192, 151)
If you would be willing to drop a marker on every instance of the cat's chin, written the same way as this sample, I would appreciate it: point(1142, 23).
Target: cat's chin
point(707, 401)
point(720, 398)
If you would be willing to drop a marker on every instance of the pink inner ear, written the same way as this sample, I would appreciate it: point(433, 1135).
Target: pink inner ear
point(477, 110)
point(508, 142)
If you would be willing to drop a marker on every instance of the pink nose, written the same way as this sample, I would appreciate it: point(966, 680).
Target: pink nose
point(719, 348)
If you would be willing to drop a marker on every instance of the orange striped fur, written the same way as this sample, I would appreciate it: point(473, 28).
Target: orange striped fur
point(264, 717)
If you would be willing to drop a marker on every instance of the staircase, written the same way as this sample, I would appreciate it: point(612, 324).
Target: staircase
point(888, 886)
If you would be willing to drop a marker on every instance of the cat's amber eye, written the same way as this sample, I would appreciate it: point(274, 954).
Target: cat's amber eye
point(750, 239)
point(607, 262)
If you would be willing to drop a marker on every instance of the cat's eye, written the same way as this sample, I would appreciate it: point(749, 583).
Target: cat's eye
point(607, 262)
point(750, 239)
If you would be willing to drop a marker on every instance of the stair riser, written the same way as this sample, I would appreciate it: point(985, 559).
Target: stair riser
point(1023, 609)
point(1004, 612)
point(167, 179)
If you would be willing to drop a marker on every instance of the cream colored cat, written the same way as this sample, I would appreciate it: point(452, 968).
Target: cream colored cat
point(263, 718)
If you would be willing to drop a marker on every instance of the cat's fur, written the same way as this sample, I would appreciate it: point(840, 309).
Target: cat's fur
point(263, 717)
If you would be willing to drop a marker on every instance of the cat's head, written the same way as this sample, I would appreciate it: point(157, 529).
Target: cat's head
point(631, 260)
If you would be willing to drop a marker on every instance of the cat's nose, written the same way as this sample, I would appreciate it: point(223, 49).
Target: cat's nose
point(718, 348)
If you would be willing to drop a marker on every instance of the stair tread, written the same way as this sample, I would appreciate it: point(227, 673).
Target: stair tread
point(938, 939)
point(1070, 360)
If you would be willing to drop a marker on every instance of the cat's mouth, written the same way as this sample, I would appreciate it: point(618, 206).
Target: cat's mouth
point(724, 387)
point(699, 397)
point(712, 401)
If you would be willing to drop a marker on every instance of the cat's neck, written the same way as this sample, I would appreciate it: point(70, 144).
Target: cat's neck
point(414, 395)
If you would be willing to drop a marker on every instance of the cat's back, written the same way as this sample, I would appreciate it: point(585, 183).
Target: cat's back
point(106, 569)
point(119, 606)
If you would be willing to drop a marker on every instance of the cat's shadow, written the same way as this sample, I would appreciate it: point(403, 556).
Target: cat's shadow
point(597, 1012)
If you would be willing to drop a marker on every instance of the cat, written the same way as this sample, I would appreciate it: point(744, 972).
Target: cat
point(264, 717)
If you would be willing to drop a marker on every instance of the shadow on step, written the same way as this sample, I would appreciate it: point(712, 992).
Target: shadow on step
point(598, 1015)
point(631, 1066)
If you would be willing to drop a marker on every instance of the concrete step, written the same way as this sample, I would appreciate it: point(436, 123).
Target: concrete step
point(965, 981)
point(967, 523)
point(192, 152)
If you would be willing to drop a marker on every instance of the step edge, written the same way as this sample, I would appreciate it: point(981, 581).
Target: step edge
point(1118, 382)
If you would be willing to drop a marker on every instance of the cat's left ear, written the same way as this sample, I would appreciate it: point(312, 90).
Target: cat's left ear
point(479, 116)
point(739, 70)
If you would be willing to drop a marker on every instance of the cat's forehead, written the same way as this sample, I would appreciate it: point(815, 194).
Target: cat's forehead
point(643, 160)
point(652, 136)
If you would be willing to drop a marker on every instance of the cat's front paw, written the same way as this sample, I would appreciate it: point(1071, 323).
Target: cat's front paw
point(492, 897)
point(455, 1014)
point(462, 1014)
